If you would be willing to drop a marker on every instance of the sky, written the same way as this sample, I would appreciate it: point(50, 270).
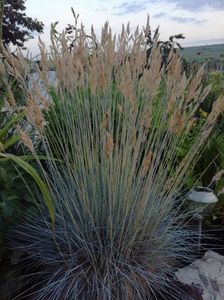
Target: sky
point(201, 21)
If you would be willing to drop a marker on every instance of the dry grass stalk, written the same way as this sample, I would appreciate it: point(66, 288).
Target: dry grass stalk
point(25, 139)
point(218, 176)
point(217, 109)
point(177, 122)
point(146, 118)
point(195, 84)
point(174, 70)
point(10, 98)
point(147, 163)
point(16, 66)
point(105, 121)
point(109, 145)
point(153, 76)
point(34, 114)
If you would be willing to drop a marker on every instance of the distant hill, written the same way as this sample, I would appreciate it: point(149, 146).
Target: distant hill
point(202, 53)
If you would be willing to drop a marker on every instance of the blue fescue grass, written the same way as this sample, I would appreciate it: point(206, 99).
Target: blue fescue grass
point(121, 226)
point(81, 259)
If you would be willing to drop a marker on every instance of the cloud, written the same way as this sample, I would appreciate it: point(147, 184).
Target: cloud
point(198, 5)
point(178, 19)
point(101, 9)
point(160, 15)
point(183, 20)
point(130, 7)
point(136, 6)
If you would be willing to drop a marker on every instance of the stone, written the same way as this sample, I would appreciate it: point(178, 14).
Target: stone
point(204, 278)
point(34, 80)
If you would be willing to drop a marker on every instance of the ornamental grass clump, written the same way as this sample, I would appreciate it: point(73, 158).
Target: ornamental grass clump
point(113, 128)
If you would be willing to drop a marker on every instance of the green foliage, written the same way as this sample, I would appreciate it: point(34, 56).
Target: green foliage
point(14, 193)
point(17, 176)
point(42, 186)
point(216, 79)
point(211, 159)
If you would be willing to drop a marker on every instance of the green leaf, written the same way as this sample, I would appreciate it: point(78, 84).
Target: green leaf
point(43, 187)
point(11, 141)
point(15, 119)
